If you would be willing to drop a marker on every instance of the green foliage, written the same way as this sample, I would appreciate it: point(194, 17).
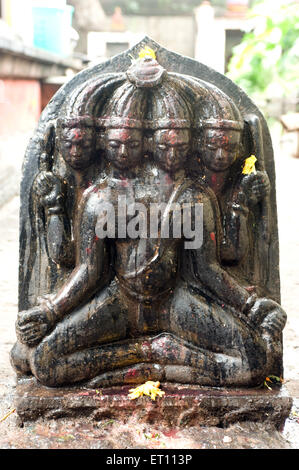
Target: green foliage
point(266, 62)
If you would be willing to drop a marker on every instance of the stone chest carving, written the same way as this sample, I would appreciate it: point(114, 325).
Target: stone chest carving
point(147, 250)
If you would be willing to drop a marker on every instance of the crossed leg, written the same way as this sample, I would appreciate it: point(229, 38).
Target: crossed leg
point(196, 342)
point(239, 352)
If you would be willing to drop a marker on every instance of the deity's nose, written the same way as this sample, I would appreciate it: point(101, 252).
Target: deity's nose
point(73, 150)
point(170, 156)
point(219, 154)
point(123, 151)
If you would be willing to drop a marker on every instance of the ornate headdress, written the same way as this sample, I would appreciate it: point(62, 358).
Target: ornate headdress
point(219, 112)
point(148, 99)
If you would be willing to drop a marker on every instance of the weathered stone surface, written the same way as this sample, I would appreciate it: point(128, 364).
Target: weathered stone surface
point(181, 406)
point(108, 308)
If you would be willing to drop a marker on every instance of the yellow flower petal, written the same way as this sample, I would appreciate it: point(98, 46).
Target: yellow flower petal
point(149, 388)
point(147, 52)
point(249, 165)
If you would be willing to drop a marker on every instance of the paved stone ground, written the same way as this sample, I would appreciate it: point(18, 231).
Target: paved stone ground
point(108, 434)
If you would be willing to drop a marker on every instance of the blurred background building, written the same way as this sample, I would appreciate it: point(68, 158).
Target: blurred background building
point(44, 42)
point(193, 28)
point(36, 57)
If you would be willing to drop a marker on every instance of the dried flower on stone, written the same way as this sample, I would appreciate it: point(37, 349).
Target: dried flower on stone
point(249, 165)
point(150, 389)
point(147, 52)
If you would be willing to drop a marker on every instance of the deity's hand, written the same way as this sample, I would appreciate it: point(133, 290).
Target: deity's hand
point(48, 189)
point(255, 186)
point(268, 315)
point(33, 324)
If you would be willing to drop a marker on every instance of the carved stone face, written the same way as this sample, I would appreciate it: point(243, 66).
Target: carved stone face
point(220, 148)
point(124, 147)
point(76, 146)
point(171, 147)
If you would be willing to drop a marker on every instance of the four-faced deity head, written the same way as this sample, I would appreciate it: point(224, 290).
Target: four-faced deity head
point(219, 132)
point(148, 100)
point(76, 139)
point(124, 147)
point(171, 147)
point(170, 121)
point(221, 144)
point(123, 123)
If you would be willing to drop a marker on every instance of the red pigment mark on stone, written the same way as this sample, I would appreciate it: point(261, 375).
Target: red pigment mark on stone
point(76, 133)
point(124, 182)
point(96, 238)
point(88, 251)
point(146, 348)
point(131, 373)
point(168, 180)
point(250, 288)
point(224, 139)
point(172, 135)
point(213, 238)
point(214, 178)
point(170, 433)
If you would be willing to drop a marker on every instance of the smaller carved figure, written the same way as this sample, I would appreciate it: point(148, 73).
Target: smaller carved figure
point(76, 141)
point(221, 147)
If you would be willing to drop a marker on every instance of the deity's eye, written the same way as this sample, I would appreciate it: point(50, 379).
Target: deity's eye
point(86, 143)
point(232, 147)
point(212, 146)
point(113, 143)
point(67, 144)
point(162, 146)
point(184, 146)
point(134, 144)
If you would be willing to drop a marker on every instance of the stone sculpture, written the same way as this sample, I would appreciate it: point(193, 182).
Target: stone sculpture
point(105, 297)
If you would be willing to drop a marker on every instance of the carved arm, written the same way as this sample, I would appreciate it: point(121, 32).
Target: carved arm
point(91, 254)
point(49, 193)
point(209, 271)
point(88, 276)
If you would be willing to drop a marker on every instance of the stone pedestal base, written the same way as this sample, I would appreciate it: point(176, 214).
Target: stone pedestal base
point(182, 405)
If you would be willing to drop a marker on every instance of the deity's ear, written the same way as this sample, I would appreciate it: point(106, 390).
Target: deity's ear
point(243, 143)
point(100, 137)
point(196, 139)
point(148, 143)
